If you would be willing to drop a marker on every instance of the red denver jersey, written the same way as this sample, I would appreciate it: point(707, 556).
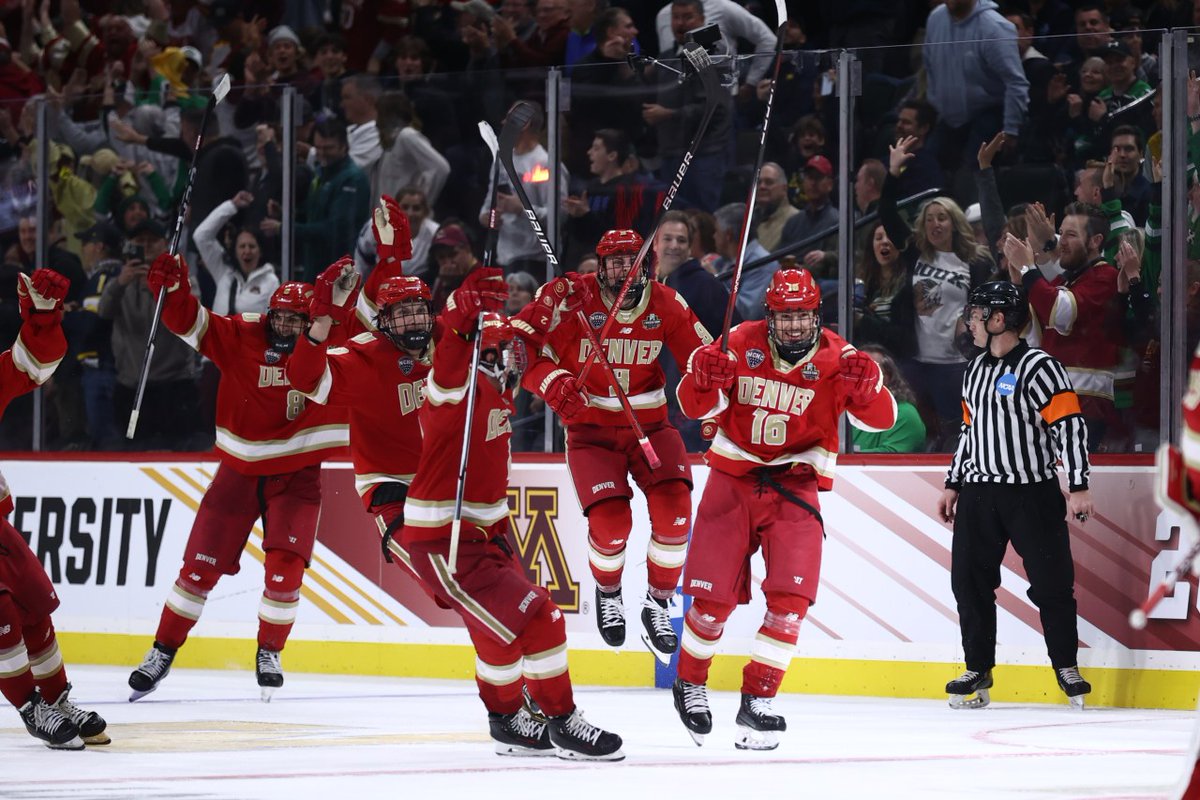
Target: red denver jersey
point(430, 503)
point(382, 387)
point(264, 426)
point(635, 341)
point(30, 363)
point(777, 413)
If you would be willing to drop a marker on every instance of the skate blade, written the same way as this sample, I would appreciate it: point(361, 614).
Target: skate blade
point(266, 692)
point(572, 755)
point(978, 700)
point(136, 695)
point(1077, 702)
point(750, 739)
point(519, 751)
point(663, 658)
point(70, 744)
point(99, 738)
point(698, 738)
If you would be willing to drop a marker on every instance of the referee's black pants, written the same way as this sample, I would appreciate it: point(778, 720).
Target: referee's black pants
point(1033, 518)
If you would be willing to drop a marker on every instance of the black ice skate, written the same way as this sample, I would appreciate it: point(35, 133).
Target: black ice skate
point(576, 739)
point(658, 635)
point(47, 723)
point(970, 690)
point(1073, 685)
point(154, 668)
point(691, 701)
point(520, 734)
point(268, 671)
point(610, 617)
point(758, 726)
point(91, 725)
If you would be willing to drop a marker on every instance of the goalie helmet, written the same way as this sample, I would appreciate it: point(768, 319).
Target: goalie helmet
point(791, 291)
point(622, 245)
point(290, 301)
point(404, 314)
point(501, 352)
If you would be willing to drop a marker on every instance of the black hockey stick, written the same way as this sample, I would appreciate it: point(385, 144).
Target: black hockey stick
point(699, 60)
point(781, 11)
point(219, 91)
point(518, 118)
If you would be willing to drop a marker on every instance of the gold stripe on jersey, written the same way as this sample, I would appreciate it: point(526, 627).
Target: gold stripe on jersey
point(546, 664)
point(195, 334)
point(363, 482)
point(655, 398)
point(772, 652)
point(14, 661)
point(25, 361)
point(467, 602)
point(304, 441)
point(820, 459)
point(1091, 382)
point(437, 395)
point(497, 675)
point(394, 546)
point(439, 513)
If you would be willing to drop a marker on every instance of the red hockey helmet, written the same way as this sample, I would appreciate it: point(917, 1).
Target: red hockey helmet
point(292, 296)
point(404, 313)
point(502, 353)
point(287, 314)
point(616, 242)
point(792, 291)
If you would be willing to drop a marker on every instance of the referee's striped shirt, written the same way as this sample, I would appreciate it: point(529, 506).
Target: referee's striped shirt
point(1020, 415)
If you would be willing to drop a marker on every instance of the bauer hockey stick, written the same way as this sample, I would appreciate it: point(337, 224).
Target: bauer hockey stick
point(752, 198)
point(696, 56)
point(219, 91)
point(517, 119)
point(493, 228)
point(472, 384)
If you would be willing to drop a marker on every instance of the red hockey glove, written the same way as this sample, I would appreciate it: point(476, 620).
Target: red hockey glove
point(167, 272)
point(565, 397)
point(579, 294)
point(393, 238)
point(333, 293)
point(567, 292)
point(40, 296)
point(483, 290)
point(712, 369)
point(862, 374)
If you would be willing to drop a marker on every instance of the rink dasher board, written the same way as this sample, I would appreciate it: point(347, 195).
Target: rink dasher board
point(111, 534)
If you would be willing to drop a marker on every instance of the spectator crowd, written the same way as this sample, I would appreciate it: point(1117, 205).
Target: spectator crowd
point(1019, 141)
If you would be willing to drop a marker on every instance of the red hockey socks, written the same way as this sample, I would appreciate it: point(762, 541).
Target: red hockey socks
point(185, 604)
point(280, 599)
point(16, 680)
point(774, 645)
point(670, 505)
point(702, 628)
point(544, 644)
point(497, 673)
point(45, 659)
point(609, 524)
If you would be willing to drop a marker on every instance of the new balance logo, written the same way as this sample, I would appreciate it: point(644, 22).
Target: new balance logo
point(681, 521)
point(555, 615)
point(5, 630)
point(194, 576)
point(706, 586)
point(626, 330)
point(276, 579)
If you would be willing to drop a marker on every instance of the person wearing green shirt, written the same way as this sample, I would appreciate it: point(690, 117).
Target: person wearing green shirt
point(908, 434)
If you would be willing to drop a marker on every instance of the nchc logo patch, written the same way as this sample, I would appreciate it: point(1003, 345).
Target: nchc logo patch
point(754, 357)
point(596, 319)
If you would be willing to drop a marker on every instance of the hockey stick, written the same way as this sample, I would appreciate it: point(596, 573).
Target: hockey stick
point(219, 91)
point(518, 118)
point(700, 61)
point(744, 241)
point(472, 384)
point(493, 228)
point(1139, 616)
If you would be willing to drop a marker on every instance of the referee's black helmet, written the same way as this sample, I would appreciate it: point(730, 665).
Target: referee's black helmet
point(1001, 296)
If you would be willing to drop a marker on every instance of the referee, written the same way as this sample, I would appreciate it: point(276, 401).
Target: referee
point(1020, 414)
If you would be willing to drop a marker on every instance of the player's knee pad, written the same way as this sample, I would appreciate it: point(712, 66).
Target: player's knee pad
point(546, 631)
point(609, 523)
point(284, 572)
point(670, 506)
point(10, 623)
point(198, 578)
point(707, 617)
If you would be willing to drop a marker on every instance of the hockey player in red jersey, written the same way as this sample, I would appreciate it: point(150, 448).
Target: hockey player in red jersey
point(602, 450)
point(379, 377)
point(776, 397)
point(518, 632)
point(271, 442)
point(32, 675)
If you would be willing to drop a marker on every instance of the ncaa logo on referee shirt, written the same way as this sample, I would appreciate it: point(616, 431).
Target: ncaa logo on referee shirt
point(1006, 385)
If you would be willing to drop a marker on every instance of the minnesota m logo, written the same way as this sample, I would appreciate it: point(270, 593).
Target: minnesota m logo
point(537, 545)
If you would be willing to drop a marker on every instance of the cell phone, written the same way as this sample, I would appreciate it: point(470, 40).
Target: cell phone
point(826, 84)
point(133, 252)
point(707, 37)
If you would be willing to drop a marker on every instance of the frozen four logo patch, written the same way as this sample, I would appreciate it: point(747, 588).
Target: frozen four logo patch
point(596, 319)
point(754, 357)
point(651, 322)
point(810, 372)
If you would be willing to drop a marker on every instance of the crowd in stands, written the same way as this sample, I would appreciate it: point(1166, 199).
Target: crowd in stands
point(1029, 133)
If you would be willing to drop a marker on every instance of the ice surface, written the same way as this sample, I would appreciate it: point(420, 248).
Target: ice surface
point(205, 734)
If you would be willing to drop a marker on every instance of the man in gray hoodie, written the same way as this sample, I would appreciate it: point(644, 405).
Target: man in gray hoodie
point(975, 79)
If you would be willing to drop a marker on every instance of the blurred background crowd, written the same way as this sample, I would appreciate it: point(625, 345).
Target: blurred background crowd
point(970, 120)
